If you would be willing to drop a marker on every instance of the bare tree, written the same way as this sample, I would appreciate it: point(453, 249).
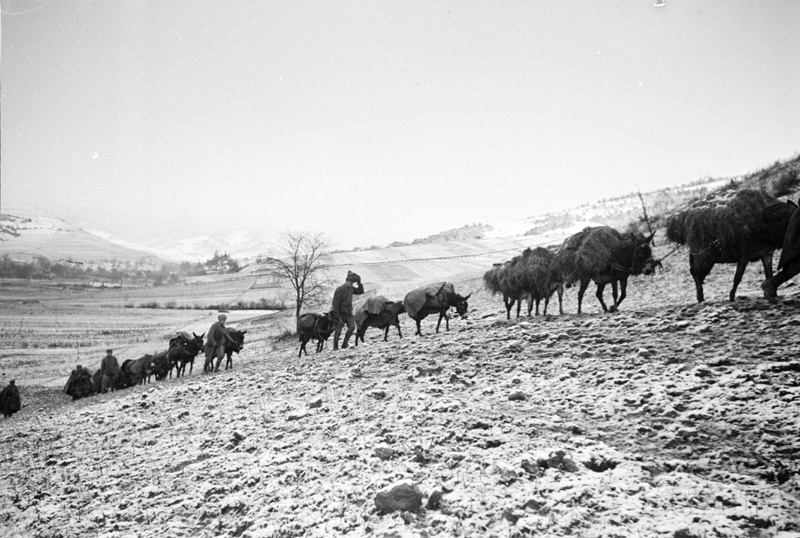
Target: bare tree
point(302, 261)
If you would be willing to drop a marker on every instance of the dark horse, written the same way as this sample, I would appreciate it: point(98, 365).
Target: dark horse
point(238, 337)
point(437, 298)
point(632, 257)
point(380, 313)
point(183, 349)
point(312, 326)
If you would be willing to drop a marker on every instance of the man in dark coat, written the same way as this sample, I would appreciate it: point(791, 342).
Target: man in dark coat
point(215, 343)
point(789, 264)
point(342, 308)
point(9, 399)
point(109, 369)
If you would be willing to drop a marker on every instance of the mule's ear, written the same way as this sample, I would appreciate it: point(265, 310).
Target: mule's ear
point(244, 331)
point(468, 296)
point(202, 335)
point(194, 334)
point(649, 239)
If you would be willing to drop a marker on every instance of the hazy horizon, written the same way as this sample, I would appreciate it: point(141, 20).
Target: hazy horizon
point(380, 122)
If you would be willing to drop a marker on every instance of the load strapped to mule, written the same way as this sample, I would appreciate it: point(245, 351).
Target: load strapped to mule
point(434, 298)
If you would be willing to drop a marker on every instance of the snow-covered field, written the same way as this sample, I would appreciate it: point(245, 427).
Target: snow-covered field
point(665, 419)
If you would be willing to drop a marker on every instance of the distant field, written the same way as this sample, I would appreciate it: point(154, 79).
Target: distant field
point(48, 328)
point(228, 290)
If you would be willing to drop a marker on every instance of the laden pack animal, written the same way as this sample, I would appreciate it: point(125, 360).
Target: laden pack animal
point(238, 337)
point(499, 280)
point(117, 381)
point(731, 227)
point(79, 385)
point(537, 277)
point(605, 256)
point(183, 349)
point(433, 299)
point(312, 326)
point(381, 313)
point(161, 365)
point(529, 276)
point(137, 371)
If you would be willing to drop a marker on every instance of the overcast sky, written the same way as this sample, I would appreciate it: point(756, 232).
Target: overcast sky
point(378, 121)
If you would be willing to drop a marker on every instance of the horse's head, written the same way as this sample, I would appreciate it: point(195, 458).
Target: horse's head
point(462, 308)
point(643, 262)
point(238, 337)
point(195, 345)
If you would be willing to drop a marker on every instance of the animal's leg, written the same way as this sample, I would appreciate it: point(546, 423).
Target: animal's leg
point(699, 267)
point(560, 292)
point(546, 302)
point(623, 286)
point(599, 295)
point(386, 333)
point(530, 305)
point(766, 261)
point(519, 306)
point(191, 366)
point(419, 329)
point(399, 332)
point(538, 302)
point(737, 278)
point(509, 304)
point(443, 314)
point(581, 290)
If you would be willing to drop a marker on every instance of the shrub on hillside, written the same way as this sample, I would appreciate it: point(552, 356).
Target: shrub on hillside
point(786, 183)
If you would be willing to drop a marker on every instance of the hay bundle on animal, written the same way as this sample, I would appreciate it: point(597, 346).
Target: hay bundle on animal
point(528, 276)
point(183, 349)
point(730, 226)
point(435, 298)
point(79, 384)
point(605, 256)
point(381, 313)
point(500, 279)
point(537, 278)
point(313, 326)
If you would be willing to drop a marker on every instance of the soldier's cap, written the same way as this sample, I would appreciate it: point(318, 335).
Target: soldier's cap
point(222, 317)
point(109, 350)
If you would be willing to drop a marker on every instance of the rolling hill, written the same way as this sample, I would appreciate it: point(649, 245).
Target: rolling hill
point(26, 233)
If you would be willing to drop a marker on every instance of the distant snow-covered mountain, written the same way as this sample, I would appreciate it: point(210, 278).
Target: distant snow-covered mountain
point(29, 232)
